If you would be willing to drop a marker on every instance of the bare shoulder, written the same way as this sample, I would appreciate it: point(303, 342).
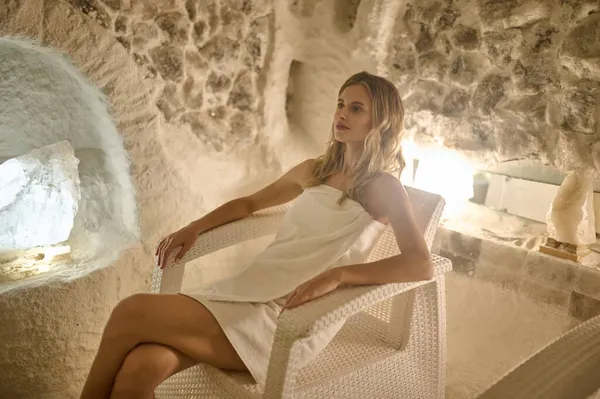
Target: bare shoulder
point(284, 189)
point(387, 196)
point(302, 172)
point(387, 186)
point(308, 164)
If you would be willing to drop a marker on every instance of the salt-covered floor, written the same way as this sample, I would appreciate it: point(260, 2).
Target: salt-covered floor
point(491, 329)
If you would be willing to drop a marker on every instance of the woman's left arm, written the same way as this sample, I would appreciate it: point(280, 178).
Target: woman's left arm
point(389, 198)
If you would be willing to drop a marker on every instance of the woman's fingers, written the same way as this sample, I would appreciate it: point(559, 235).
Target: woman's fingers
point(292, 298)
point(289, 298)
point(184, 248)
point(159, 246)
point(164, 251)
point(295, 301)
point(159, 251)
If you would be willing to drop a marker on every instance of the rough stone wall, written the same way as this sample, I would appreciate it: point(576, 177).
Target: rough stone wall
point(208, 56)
point(502, 80)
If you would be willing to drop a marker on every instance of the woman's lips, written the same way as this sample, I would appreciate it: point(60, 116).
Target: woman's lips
point(341, 127)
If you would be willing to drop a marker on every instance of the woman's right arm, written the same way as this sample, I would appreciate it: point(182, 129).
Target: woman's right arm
point(283, 190)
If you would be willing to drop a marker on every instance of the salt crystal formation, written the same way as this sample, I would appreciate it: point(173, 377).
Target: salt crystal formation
point(45, 100)
point(571, 216)
point(39, 196)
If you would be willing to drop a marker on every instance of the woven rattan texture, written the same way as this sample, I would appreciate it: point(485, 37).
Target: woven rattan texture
point(568, 367)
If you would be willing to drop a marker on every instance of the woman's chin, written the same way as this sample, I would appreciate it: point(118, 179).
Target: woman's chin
point(339, 135)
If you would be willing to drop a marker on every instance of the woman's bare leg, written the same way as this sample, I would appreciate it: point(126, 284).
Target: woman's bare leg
point(145, 368)
point(170, 320)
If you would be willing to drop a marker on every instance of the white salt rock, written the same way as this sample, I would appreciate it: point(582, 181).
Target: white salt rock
point(39, 197)
point(571, 216)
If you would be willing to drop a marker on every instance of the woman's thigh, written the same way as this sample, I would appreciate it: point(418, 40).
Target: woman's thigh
point(176, 321)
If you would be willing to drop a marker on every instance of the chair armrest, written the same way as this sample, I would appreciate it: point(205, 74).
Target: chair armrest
point(323, 312)
point(568, 367)
point(257, 225)
point(314, 316)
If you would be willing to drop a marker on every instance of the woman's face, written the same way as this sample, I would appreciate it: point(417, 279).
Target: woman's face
point(352, 120)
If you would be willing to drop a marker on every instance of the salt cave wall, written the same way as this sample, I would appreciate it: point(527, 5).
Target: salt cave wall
point(205, 64)
point(501, 81)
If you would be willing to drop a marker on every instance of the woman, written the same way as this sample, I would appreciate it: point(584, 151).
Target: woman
point(150, 337)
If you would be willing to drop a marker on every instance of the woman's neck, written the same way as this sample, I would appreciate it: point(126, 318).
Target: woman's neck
point(352, 154)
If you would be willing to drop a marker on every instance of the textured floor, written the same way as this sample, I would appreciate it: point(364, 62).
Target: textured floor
point(491, 329)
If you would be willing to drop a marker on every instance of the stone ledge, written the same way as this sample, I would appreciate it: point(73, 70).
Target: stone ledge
point(516, 264)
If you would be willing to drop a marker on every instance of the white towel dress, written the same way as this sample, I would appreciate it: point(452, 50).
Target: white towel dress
point(316, 234)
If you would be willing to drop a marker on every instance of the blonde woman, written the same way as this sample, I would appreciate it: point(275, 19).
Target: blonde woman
point(342, 202)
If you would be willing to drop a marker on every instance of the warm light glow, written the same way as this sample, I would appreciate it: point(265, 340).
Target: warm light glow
point(53, 252)
point(16, 265)
point(409, 151)
point(440, 171)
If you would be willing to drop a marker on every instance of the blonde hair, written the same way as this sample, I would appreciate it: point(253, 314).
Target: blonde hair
point(382, 147)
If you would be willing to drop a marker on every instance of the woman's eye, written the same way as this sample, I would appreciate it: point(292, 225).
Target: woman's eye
point(340, 105)
point(356, 109)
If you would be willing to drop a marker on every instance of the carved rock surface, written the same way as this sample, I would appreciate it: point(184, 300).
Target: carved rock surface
point(580, 51)
point(201, 55)
point(528, 70)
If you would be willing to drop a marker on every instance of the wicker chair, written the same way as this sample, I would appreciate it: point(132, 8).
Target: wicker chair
point(567, 368)
point(392, 344)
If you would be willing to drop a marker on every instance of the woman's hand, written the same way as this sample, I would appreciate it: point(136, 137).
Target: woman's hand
point(184, 238)
point(319, 286)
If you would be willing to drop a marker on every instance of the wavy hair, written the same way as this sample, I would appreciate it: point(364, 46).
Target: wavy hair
point(382, 147)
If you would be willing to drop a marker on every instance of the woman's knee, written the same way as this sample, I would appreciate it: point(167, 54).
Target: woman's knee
point(144, 368)
point(128, 314)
